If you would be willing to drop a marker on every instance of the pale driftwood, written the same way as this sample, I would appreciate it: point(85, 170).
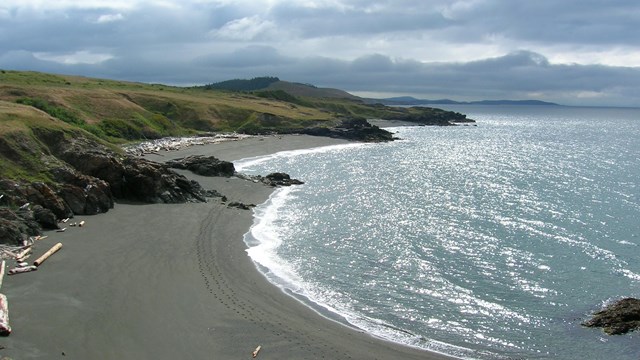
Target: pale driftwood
point(24, 258)
point(22, 269)
point(23, 254)
point(255, 352)
point(5, 328)
point(2, 266)
point(46, 255)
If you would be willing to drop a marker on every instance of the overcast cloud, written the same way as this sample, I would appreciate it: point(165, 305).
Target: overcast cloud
point(570, 51)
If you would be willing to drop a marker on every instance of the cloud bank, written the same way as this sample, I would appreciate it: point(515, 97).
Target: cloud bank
point(571, 52)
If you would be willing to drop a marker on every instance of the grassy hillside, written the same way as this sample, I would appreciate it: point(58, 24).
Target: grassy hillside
point(123, 111)
point(117, 112)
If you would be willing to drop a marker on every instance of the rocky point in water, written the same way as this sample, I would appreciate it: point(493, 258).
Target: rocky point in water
point(620, 317)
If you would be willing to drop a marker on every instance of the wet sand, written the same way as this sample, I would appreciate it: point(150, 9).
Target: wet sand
point(174, 282)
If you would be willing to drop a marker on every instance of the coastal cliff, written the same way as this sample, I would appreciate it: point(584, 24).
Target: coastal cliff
point(61, 138)
point(86, 177)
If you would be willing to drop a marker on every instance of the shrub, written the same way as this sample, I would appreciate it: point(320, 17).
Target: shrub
point(55, 111)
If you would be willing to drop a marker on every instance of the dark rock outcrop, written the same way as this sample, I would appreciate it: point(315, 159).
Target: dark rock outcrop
point(618, 318)
point(358, 129)
point(87, 177)
point(273, 179)
point(428, 116)
point(150, 182)
point(37, 193)
point(203, 165)
point(280, 179)
point(45, 217)
point(212, 166)
point(16, 226)
point(241, 206)
point(10, 232)
point(129, 178)
point(85, 195)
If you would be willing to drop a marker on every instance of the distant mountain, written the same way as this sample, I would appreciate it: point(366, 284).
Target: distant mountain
point(408, 100)
point(268, 83)
point(243, 84)
point(307, 90)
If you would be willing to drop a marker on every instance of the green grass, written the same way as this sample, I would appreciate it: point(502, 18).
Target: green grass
point(117, 112)
point(53, 110)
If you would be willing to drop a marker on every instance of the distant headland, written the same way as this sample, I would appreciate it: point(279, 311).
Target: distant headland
point(409, 100)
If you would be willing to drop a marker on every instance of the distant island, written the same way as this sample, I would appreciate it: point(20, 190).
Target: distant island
point(409, 100)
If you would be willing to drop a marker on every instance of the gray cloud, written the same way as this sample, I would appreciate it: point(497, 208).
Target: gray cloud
point(468, 49)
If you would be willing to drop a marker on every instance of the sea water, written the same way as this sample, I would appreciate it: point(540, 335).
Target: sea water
point(487, 241)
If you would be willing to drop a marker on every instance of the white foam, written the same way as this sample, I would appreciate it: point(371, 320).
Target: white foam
point(248, 163)
point(625, 242)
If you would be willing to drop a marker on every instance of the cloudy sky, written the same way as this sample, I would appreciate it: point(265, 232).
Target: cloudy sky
point(568, 51)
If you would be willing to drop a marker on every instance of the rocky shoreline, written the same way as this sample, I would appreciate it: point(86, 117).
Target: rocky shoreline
point(88, 177)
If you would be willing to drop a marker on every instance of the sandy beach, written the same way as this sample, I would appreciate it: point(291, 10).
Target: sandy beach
point(174, 282)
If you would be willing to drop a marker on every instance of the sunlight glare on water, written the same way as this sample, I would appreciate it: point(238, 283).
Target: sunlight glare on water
point(483, 242)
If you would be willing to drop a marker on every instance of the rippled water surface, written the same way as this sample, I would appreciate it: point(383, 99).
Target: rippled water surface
point(493, 241)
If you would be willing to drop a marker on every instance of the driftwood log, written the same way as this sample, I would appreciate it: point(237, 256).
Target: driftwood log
point(46, 255)
point(2, 266)
point(255, 352)
point(5, 328)
point(24, 254)
point(22, 269)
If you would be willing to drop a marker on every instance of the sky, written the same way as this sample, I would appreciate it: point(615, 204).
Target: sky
point(573, 52)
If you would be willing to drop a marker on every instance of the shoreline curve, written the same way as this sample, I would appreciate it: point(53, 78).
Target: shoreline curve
point(174, 281)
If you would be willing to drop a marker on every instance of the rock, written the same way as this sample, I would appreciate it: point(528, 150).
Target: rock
point(17, 226)
point(618, 318)
point(98, 198)
point(27, 223)
point(151, 182)
point(273, 179)
point(215, 194)
point(87, 177)
point(85, 195)
point(358, 129)
point(45, 217)
point(239, 205)
point(10, 233)
point(128, 178)
point(204, 165)
point(51, 200)
point(36, 193)
point(280, 179)
point(74, 197)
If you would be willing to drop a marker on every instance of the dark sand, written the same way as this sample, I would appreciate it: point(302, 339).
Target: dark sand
point(173, 282)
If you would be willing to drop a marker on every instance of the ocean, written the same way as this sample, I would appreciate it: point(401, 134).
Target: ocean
point(492, 241)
